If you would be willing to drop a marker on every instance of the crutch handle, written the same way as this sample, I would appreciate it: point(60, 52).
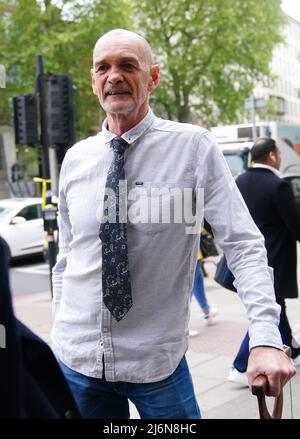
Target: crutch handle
point(259, 389)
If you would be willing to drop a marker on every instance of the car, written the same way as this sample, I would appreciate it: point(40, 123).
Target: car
point(22, 226)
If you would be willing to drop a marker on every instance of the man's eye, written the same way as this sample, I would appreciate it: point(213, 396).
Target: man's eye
point(101, 68)
point(128, 66)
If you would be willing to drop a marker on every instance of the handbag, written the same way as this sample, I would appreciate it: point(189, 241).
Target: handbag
point(223, 275)
point(207, 245)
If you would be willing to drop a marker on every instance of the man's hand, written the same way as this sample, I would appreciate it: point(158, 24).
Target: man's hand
point(273, 363)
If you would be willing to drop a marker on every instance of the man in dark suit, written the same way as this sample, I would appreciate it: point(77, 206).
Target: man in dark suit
point(273, 208)
point(32, 386)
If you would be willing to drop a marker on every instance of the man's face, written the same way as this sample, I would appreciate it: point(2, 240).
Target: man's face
point(122, 76)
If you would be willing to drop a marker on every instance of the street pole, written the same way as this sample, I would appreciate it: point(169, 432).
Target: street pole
point(45, 143)
point(43, 117)
point(253, 104)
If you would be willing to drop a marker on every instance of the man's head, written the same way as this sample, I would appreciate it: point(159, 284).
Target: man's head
point(266, 151)
point(123, 75)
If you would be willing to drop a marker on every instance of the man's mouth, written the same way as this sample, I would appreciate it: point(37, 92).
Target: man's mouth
point(113, 93)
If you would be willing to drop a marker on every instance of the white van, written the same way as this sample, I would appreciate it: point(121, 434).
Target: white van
point(236, 143)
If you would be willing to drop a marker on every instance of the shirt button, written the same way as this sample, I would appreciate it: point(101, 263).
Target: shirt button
point(105, 329)
point(99, 361)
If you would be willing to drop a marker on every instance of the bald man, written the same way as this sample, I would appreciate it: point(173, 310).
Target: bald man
point(128, 249)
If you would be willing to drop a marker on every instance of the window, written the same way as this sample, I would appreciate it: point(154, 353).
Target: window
point(280, 104)
point(31, 212)
point(246, 132)
point(235, 163)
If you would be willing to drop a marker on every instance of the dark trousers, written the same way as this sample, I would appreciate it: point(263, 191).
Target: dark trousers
point(241, 360)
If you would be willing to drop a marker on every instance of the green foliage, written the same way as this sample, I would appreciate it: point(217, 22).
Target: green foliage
point(65, 37)
point(29, 158)
point(211, 53)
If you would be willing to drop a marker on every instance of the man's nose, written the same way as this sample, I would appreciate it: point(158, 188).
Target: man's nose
point(115, 76)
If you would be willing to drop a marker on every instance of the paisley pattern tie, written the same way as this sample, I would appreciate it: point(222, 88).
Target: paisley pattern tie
point(116, 284)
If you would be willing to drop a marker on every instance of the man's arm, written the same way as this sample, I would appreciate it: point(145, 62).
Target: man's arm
point(64, 239)
point(243, 245)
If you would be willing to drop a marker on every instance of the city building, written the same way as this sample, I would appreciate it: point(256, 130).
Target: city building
point(285, 66)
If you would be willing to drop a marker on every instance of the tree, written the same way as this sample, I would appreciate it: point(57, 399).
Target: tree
point(211, 51)
point(65, 36)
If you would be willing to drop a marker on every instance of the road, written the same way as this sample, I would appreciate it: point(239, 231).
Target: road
point(29, 276)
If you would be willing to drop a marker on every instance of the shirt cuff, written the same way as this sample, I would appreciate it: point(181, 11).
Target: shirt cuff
point(265, 334)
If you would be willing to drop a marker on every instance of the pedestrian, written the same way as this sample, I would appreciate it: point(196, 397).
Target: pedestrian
point(209, 312)
point(273, 207)
point(124, 272)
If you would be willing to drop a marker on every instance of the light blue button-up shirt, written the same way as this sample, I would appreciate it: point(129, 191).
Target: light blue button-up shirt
point(149, 342)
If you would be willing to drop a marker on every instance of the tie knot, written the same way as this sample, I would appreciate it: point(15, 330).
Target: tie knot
point(119, 145)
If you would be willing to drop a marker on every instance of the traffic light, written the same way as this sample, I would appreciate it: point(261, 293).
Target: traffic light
point(61, 113)
point(25, 119)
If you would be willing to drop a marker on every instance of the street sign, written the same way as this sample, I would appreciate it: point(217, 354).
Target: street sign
point(260, 103)
point(255, 103)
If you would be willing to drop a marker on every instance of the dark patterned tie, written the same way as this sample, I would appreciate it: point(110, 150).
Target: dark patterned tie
point(113, 234)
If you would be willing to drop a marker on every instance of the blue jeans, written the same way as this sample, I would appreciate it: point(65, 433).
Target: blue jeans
point(241, 360)
point(170, 398)
point(198, 288)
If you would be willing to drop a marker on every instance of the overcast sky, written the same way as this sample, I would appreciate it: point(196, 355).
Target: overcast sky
point(292, 8)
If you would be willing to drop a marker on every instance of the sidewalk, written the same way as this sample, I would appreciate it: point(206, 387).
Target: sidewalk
point(210, 353)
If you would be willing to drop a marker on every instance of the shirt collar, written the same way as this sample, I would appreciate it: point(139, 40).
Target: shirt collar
point(134, 133)
point(260, 165)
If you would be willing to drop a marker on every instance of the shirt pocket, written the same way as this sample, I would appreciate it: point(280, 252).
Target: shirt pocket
point(153, 206)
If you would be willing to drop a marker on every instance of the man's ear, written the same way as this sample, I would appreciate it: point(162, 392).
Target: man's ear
point(154, 77)
point(93, 82)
